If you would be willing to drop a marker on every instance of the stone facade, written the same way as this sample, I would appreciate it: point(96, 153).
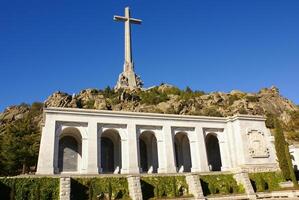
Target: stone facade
point(132, 143)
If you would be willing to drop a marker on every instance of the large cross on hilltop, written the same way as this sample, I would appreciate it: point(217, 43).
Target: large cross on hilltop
point(128, 78)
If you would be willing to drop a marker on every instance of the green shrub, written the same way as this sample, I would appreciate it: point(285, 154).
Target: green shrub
point(29, 188)
point(164, 187)
point(293, 136)
point(172, 90)
point(270, 121)
point(243, 111)
point(90, 104)
point(36, 108)
point(108, 92)
point(232, 98)
point(280, 144)
point(188, 94)
point(99, 188)
point(252, 98)
point(153, 96)
point(212, 112)
point(294, 122)
point(265, 181)
point(222, 184)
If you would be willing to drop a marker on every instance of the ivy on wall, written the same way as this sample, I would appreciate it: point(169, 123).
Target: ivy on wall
point(220, 184)
point(99, 188)
point(156, 187)
point(29, 188)
point(266, 181)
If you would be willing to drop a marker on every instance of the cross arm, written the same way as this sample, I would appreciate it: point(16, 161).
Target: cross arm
point(119, 18)
point(135, 21)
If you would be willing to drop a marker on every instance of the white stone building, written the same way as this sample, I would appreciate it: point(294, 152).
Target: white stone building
point(80, 141)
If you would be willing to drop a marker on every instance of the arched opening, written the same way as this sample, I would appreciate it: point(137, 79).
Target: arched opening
point(69, 150)
point(213, 152)
point(148, 156)
point(110, 151)
point(182, 152)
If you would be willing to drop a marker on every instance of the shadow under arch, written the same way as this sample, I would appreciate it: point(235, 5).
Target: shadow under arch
point(110, 151)
point(69, 150)
point(182, 152)
point(213, 152)
point(148, 152)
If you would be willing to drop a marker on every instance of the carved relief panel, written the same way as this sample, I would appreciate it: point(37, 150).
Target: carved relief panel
point(257, 144)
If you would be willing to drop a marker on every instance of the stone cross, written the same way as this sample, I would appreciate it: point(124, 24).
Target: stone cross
point(128, 78)
point(128, 49)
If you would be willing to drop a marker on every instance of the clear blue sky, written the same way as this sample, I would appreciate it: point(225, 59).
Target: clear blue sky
point(211, 45)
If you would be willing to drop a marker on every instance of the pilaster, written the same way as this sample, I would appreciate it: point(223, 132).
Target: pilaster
point(94, 148)
point(133, 150)
point(201, 150)
point(169, 156)
point(195, 164)
point(223, 145)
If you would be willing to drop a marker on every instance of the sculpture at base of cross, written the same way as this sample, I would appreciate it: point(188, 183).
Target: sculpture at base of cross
point(128, 80)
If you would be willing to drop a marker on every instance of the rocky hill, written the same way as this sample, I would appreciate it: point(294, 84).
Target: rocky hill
point(169, 99)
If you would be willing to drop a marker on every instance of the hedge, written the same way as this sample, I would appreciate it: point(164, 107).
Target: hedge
point(221, 184)
point(156, 187)
point(99, 188)
point(266, 181)
point(29, 188)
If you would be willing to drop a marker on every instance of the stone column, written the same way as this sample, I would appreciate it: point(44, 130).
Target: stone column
point(47, 148)
point(65, 188)
point(132, 150)
point(169, 156)
point(94, 148)
point(201, 150)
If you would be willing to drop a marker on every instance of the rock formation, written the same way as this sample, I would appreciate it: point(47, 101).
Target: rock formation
point(168, 99)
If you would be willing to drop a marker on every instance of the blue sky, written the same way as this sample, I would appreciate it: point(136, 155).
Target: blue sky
point(210, 45)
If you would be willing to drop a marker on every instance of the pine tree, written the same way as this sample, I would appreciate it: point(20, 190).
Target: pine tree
point(20, 145)
point(280, 144)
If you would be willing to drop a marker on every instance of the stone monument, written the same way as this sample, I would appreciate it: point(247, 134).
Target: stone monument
point(128, 79)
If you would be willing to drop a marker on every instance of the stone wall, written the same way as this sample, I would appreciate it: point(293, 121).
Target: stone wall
point(134, 187)
point(65, 188)
point(195, 188)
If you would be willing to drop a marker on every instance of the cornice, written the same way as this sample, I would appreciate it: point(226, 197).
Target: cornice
point(143, 115)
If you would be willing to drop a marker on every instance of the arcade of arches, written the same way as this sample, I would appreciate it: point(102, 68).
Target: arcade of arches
point(110, 152)
point(76, 141)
